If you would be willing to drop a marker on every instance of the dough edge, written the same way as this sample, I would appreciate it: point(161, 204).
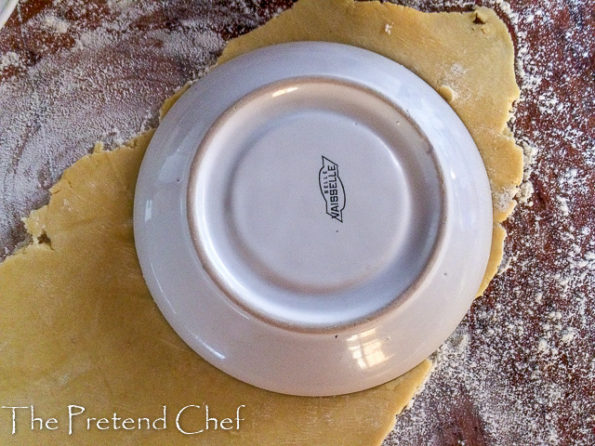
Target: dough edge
point(39, 222)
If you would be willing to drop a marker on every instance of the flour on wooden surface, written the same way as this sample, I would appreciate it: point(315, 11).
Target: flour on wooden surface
point(529, 375)
point(106, 84)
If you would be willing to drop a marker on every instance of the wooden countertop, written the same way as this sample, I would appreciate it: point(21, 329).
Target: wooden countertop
point(520, 369)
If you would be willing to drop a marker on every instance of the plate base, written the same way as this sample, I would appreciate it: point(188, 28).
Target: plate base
point(314, 203)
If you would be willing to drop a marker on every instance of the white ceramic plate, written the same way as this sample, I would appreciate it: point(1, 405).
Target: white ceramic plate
point(6, 8)
point(312, 218)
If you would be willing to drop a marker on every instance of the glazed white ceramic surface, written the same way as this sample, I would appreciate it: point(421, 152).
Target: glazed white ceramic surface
point(6, 8)
point(312, 218)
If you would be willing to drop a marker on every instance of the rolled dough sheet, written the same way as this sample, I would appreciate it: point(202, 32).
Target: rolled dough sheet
point(77, 323)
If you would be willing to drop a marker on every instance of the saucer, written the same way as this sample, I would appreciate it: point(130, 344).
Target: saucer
point(312, 218)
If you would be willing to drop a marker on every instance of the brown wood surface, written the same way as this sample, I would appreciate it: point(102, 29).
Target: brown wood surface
point(520, 368)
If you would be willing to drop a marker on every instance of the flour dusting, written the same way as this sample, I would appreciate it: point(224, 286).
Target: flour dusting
point(97, 80)
point(524, 373)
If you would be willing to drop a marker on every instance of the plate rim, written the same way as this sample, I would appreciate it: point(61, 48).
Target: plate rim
point(6, 11)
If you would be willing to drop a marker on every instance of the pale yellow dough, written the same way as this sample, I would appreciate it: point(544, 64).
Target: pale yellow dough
point(77, 323)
